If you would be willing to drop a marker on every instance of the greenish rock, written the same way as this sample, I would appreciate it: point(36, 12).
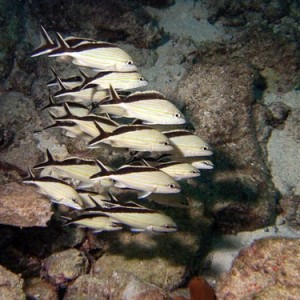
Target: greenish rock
point(10, 20)
point(11, 285)
point(62, 267)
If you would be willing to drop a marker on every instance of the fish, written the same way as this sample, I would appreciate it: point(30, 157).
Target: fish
point(142, 178)
point(57, 190)
point(58, 109)
point(96, 55)
point(97, 223)
point(203, 164)
point(89, 95)
point(177, 170)
point(71, 129)
point(119, 80)
point(72, 167)
point(149, 106)
point(187, 144)
point(88, 124)
point(134, 137)
point(98, 199)
point(138, 218)
point(46, 44)
point(68, 83)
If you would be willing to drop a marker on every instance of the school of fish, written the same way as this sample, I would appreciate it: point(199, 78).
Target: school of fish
point(101, 98)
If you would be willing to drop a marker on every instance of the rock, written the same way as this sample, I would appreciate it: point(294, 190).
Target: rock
point(62, 267)
point(37, 288)
point(23, 206)
point(11, 285)
point(267, 267)
point(218, 101)
point(119, 285)
point(162, 260)
point(290, 206)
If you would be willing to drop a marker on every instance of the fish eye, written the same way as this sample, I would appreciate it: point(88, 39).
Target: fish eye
point(205, 148)
point(165, 143)
point(177, 115)
point(130, 62)
point(141, 79)
point(172, 186)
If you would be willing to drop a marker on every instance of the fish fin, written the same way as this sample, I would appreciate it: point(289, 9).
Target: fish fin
point(50, 104)
point(103, 170)
point(102, 135)
point(120, 185)
point(62, 46)
point(146, 163)
point(84, 75)
point(30, 175)
point(142, 195)
point(114, 94)
point(46, 44)
point(136, 229)
point(112, 198)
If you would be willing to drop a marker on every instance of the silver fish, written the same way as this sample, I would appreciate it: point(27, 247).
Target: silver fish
point(187, 144)
point(150, 106)
point(89, 95)
point(138, 218)
point(134, 137)
point(58, 109)
point(97, 55)
point(97, 223)
point(57, 190)
point(88, 123)
point(119, 80)
point(142, 178)
point(177, 170)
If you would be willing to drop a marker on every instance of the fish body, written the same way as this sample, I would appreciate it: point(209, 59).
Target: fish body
point(119, 80)
point(58, 109)
point(150, 106)
point(97, 223)
point(142, 178)
point(178, 170)
point(57, 190)
point(97, 55)
point(138, 218)
point(88, 124)
point(187, 144)
point(135, 137)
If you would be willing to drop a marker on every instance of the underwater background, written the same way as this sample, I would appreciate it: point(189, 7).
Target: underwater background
point(233, 69)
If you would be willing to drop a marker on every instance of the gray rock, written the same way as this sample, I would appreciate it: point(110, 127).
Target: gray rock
point(23, 206)
point(119, 285)
point(62, 267)
point(36, 288)
point(11, 285)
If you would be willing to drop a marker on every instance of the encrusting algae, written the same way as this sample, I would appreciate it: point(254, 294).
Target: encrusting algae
point(96, 99)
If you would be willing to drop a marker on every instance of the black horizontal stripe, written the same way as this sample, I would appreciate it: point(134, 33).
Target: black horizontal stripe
point(134, 169)
point(176, 133)
point(130, 128)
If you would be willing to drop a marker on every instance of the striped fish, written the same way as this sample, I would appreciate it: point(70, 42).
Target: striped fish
point(134, 137)
point(88, 124)
point(138, 218)
point(68, 83)
point(150, 106)
point(187, 144)
point(47, 45)
point(57, 190)
point(203, 164)
point(142, 178)
point(87, 96)
point(177, 170)
point(58, 109)
point(97, 55)
point(119, 80)
point(97, 223)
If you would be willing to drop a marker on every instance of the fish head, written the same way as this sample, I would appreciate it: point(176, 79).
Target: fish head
point(73, 203)
point(125, 66)
point(178, 117)
point(163, 145)
point(203, 164)
point(171, 188)
point(162, 223)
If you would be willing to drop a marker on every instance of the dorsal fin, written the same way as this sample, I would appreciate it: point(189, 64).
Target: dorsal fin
point(61, 42)
point(30, 175)
point(62, 87)
point(84, 75)
point(103, 170)
point(112, 198)
point(50, 104)
point(114, 94)
point(102, 135)
point(46, 44)
point(145, 163)
point(49, 156)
